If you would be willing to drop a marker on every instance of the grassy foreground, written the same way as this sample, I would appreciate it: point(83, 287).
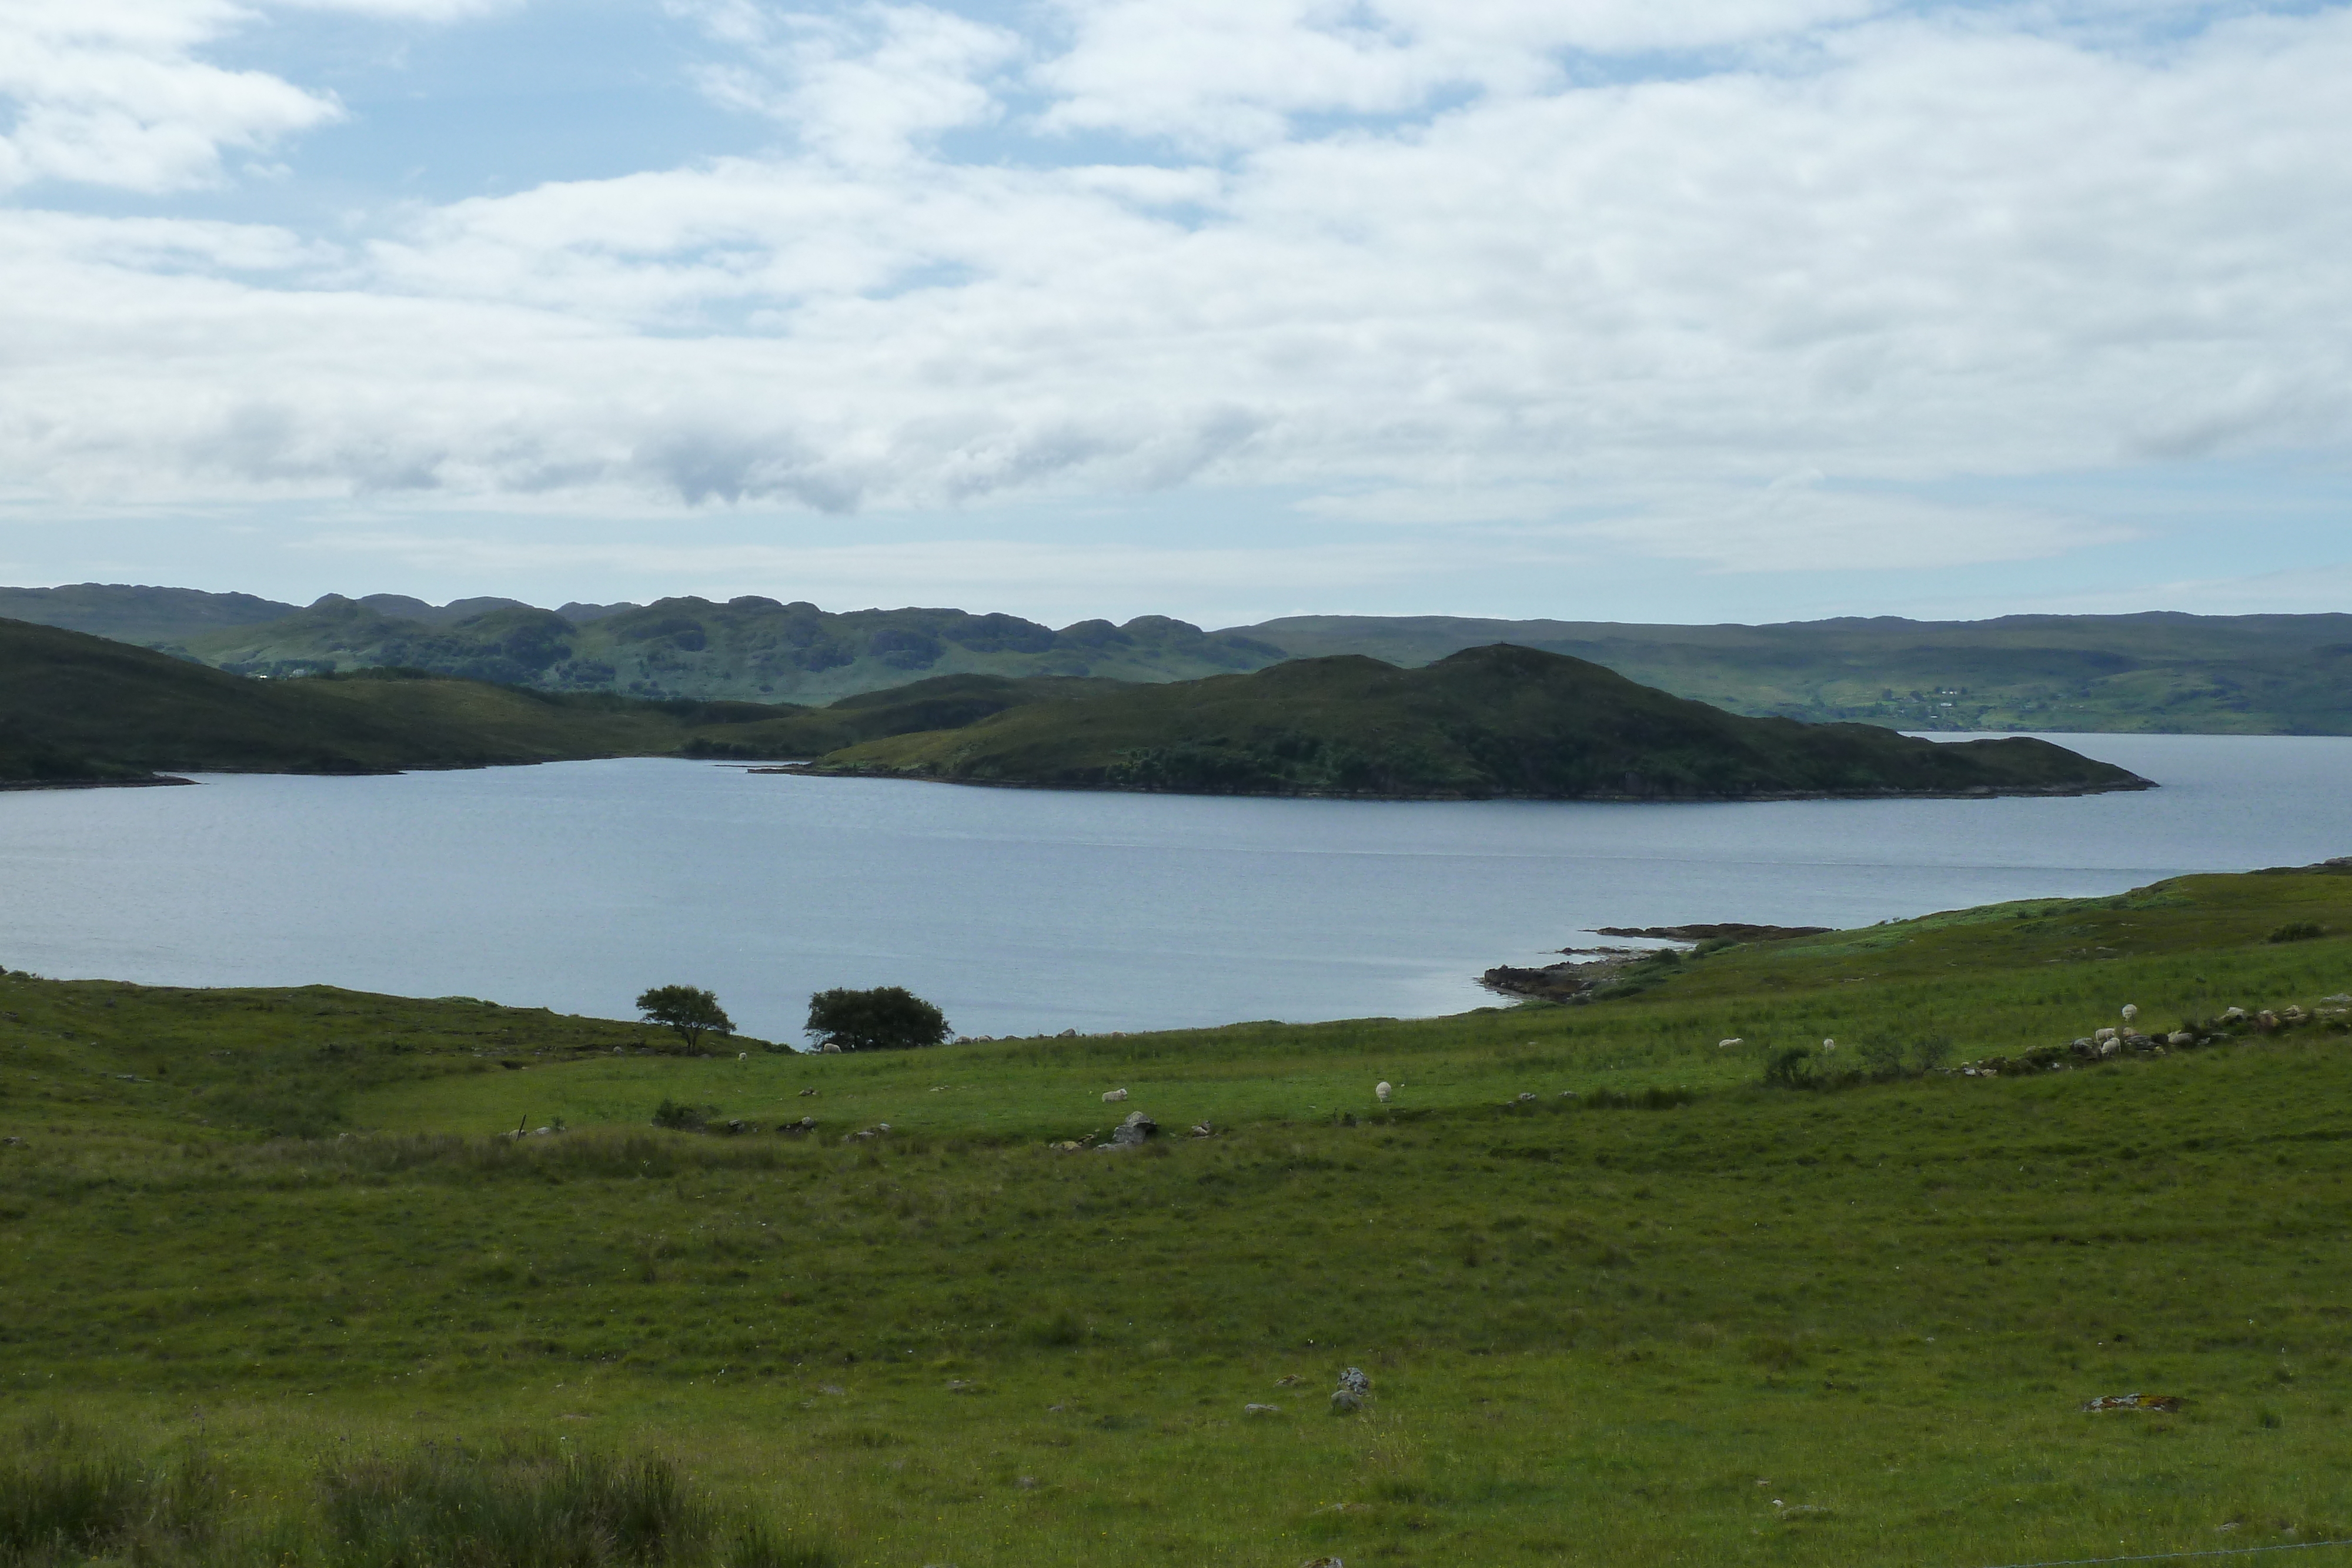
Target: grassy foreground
point(280, 1294)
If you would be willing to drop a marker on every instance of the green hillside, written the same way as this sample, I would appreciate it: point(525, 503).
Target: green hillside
point(1498, 721)
point(2159, 672)
point(748, 648)
point(2242, 674)
point(77, 708)
point(276, 1285)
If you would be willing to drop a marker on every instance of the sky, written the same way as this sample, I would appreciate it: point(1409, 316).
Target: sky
point(1676, 310)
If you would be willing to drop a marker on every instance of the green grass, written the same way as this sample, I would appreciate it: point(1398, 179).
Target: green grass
point(1759, 1327)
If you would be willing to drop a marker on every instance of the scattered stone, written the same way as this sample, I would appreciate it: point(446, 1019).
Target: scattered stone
point(1027, 1483)
point(1732, 1044)
point(1525, 1095)
point(2181, 1036)
point(1261, 1409)
point(1068, 1145)
point(1323, 1562)
point(2338, 997)
point(12, 1143)
point(1204, 1129)
point(807, 1092)
point(958, 1385)
point(827, 1388)
point(2134, 1402)
point(793, 1129)
point(1289, 1380)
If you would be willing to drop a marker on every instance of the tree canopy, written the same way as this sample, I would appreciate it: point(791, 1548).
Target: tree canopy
point(689, 1011)
point(887, 1018)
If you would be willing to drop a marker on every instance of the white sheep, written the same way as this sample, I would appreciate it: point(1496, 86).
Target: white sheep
point(2131, 1018)
point(742, 1056)
point(1829, 1045)
point(1111, 1095)
point(2103, 1036)
point(1732, 1044)
point(1383, 1090)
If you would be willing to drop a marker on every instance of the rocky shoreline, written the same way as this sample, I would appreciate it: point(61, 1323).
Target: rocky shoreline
point(1591, 970)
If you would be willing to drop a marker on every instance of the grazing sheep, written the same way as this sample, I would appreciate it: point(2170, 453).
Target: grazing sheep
point(1112, 1095)
point(1829, 1045)
point(2131, 1013)
point(742, 1056)
point(1383, 1090)
point(2103, 1036)
point(1732, 1044)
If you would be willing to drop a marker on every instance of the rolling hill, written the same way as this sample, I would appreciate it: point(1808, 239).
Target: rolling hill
point(1500, 721)
point(2250, 674)
point(78, 708)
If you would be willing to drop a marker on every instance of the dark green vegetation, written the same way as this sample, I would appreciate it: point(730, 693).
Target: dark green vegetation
point(74, 706)
point(886, 1018)
point(688, 1011)
point(1500, 721)
point(1679, 1318)
point(2159, 671)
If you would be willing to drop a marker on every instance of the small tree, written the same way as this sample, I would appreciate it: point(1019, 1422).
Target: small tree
point(690, 1012)
point(888, 1017)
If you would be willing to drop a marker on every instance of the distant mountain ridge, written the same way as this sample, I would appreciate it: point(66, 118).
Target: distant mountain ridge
point(2157, 672)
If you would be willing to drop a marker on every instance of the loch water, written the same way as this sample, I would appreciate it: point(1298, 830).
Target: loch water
point(575, 886)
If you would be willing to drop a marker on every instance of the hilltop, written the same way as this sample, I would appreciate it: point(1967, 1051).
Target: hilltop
point(2159, 672)
point(77, 708)
point(1496, 721)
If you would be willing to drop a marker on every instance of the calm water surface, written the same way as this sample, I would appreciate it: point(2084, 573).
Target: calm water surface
point(576, 885)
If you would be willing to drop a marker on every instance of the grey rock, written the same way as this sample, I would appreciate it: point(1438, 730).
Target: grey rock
point(1138, 1129)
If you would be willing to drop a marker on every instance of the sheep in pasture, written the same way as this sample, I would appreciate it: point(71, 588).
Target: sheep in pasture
point(1383, 1090)
point(1112, 1095)
point(1732, 1044)
point(742, 1056)
point(2103, 1036)
point(1829, 1045)
point(2131, 1016)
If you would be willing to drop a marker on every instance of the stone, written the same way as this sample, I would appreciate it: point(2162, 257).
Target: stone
point(1134, 1132)
point(1525, 1095)
point(1261, 1409)
point(2181, 1036)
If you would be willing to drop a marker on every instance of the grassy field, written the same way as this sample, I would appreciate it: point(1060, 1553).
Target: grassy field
point(265, 1267)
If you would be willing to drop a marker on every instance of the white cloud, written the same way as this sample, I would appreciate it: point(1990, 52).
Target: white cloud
point(1795, 524)
point(863, 87)
point(1891, 249)
point(112, 92)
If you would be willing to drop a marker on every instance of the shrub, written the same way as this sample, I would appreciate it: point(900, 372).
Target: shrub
point(888, 1017)
point(688, 1011)
point(2297, 931)
point(684, 1117)
point(1791, 1067)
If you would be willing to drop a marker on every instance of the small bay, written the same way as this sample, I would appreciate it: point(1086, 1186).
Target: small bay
point(575, 886)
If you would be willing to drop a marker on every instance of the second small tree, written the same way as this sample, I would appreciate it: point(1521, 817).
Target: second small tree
point(888, 1017)
point(688, 1009)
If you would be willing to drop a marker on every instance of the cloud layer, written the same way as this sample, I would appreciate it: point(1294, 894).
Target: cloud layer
point(1715, 281)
